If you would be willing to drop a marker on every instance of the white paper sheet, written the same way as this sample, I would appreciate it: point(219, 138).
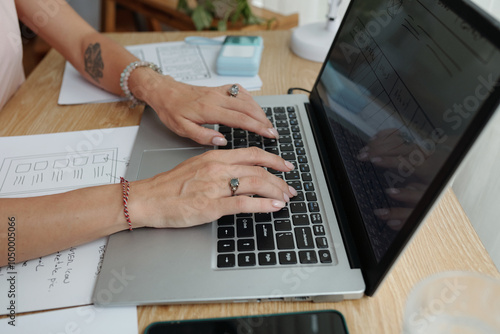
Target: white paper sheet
point(193, 64)
point(47, 164)
point(82, 320)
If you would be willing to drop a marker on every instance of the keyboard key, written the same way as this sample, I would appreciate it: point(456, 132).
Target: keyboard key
point(313, 206)
point(282, 214)
point(306, 177)
point(300, 151)
point(288, 257)
point(321, 242)
point(282, 225)
point(316, 218)
point(311, 196)
point(308, 257)
point(286, 147)
point(283, 131)
point(308, 186)
point(262, 217)
point(226, 260)
point(245, 245)
point(226, 220)
point(290, 109)
point(285, 139)
point(319, 230)
point(224, 129)
point(244, 227)
point(299, 197)
point(304, 238)
point(225, 232)
point(296, 135)
point(302, 159)
point(292, 175)
point(295, 128)
point(280, 116)
point(240, 142)
point(297, 185)
point(224, 246)
point(300, 220)
point(265, 238)
point(284, 240)
point(298, 207)
point(273, 150)
point(288, 156)
point(270, 142)
point(239, 133)
point(304, 168)
point(299, 143)
point(267, 258)
point(279, 110)
point(325, 256)
point(246, 259)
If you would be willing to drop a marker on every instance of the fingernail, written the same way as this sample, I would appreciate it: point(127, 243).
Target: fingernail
point(289, 165)
point(381, 212)
point(292, 190)
point(362, 156)
point(278, 204)
point(394, 223)
point(274, 133)
point(285, 196)
point(219, 141)
point(392, 191)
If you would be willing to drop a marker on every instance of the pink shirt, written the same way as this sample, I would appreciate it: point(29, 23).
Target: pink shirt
point(11, 52)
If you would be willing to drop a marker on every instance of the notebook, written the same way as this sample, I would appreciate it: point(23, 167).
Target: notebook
point(405, 90)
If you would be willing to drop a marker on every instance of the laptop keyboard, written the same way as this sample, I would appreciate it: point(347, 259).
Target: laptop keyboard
point(293, 235)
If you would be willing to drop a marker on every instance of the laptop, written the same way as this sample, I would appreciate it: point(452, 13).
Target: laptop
point(405, 90)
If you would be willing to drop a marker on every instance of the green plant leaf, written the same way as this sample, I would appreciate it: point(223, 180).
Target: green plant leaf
point(201, 18)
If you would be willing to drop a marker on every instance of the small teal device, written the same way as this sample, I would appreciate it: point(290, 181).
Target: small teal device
point(240, 56)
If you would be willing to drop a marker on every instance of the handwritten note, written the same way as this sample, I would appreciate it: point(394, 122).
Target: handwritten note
point(47, 164)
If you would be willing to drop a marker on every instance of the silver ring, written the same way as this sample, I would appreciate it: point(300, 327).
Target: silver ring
point(233, 184)
point(233, 91)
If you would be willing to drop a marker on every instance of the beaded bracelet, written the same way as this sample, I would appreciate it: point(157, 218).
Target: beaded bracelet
point(126, 74)
point(126, 191)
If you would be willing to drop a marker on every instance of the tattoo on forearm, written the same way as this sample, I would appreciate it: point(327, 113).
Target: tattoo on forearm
point(93, 61)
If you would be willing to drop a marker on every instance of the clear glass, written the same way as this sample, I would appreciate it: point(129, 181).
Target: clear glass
point(454, 303)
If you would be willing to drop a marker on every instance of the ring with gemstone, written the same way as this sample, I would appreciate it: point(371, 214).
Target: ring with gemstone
point(233, 91)
point(233, 184)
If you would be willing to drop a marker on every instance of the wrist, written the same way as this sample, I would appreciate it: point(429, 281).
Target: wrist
point(138, 79)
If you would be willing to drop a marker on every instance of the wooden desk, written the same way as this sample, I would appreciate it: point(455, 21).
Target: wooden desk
point(445, 242)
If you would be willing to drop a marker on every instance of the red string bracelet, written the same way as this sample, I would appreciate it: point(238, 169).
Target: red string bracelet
point(126, 191)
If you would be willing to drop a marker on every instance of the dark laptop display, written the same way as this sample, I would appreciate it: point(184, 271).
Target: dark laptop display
point(403, 86)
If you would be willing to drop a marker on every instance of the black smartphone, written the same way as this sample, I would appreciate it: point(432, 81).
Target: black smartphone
point(311, 322)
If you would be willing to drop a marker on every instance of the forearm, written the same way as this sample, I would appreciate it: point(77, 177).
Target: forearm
point(46, 224)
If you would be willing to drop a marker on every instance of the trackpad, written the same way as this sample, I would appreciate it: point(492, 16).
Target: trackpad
point(157, 161)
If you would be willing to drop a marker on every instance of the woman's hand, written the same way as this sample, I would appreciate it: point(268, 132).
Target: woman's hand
point(185, 108)
point(197, 191)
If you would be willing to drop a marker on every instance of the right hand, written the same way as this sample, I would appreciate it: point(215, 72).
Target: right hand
point(197, 190)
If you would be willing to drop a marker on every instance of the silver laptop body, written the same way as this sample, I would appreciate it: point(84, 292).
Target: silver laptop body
point(400, 67)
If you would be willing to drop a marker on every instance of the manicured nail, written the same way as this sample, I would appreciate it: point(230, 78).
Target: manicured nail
point(278, 204)
point(289, 165)
point(219, 141)
point(274, 133)
point(285, 196)
point(292, 190)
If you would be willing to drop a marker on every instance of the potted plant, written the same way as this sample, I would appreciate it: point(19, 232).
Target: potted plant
point(216, 14)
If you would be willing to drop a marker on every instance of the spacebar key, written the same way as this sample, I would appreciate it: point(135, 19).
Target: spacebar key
point(265, 236)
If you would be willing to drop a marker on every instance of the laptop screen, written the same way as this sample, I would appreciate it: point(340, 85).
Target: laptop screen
point(401, 88)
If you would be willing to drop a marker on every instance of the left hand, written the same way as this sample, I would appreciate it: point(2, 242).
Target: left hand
point(185, 108)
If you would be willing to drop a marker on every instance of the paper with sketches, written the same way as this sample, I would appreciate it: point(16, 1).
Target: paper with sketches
point(189, 63)
point(85, 319)
point(48, 164)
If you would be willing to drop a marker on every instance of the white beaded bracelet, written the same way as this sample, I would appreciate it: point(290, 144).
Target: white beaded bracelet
point(126, 74)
